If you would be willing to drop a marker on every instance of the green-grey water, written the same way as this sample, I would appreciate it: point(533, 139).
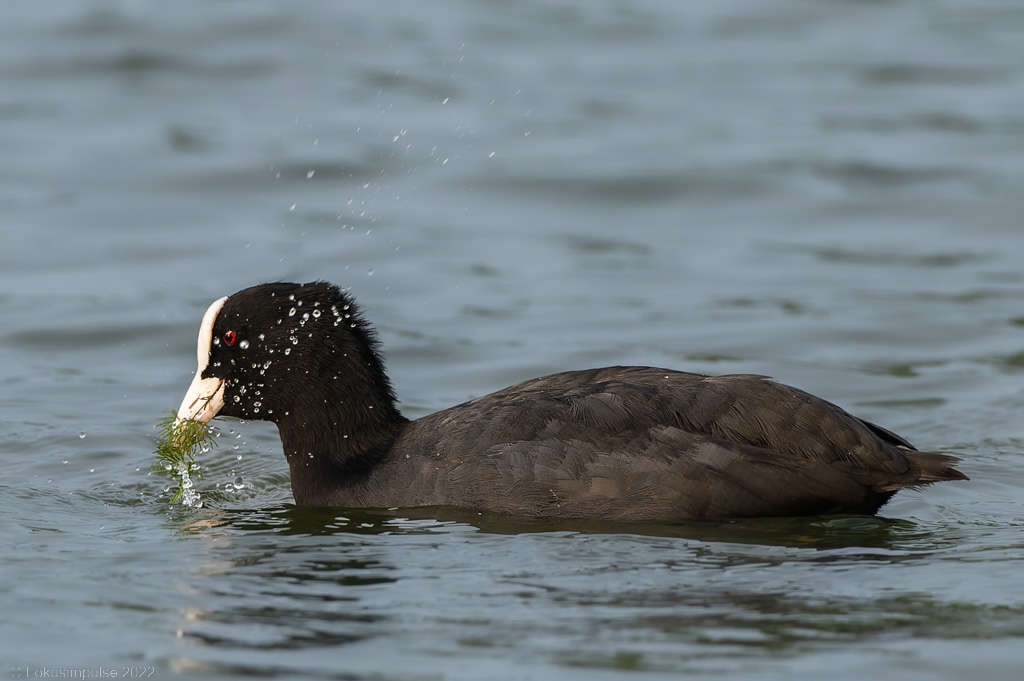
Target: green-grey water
point(827, 192)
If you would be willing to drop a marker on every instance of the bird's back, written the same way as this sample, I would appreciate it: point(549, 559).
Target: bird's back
point(647, 443)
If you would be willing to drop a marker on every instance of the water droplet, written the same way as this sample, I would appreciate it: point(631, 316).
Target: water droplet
point(316, 313)
point(81, 436)
point(287, 351)
point(239, 483)
point(244, 345)
point(292, 207)
point(309, 175)
point(236, 399)
point(291, 312)
point(369, 272)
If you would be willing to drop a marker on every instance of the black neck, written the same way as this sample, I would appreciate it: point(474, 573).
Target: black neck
point(332, 402)
point(334, 440)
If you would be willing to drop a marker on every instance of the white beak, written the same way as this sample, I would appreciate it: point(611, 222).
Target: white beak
point(205, 397)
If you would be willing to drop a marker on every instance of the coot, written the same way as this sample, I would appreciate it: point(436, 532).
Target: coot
point(624, 443)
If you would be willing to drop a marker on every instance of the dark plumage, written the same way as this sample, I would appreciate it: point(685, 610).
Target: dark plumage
point(626, 443)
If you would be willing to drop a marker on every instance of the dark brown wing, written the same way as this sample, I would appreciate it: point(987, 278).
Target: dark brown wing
point(638, 442)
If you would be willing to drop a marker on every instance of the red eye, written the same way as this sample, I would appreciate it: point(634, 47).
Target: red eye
point(229, 337)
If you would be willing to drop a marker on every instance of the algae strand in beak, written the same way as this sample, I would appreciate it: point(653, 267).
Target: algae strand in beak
point(176, 453)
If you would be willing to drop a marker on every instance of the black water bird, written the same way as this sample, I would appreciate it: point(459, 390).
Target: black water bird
point(626, 443)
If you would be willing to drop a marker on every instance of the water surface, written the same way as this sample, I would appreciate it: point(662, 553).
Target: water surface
point(824, 192)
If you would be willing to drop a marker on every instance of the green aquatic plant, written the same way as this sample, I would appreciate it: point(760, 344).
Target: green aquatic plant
point(176, 453)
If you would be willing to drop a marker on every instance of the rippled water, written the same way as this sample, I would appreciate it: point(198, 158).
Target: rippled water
point(825, 192)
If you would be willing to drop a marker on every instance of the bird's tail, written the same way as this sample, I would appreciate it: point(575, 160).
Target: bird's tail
point(926, 468)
